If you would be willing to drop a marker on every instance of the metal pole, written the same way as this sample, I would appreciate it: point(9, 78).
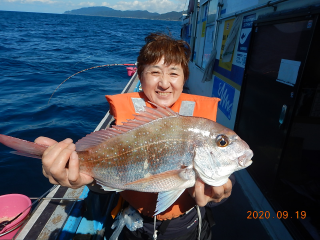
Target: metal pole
point(52, 198)
point(194, 27)
point(217, 23)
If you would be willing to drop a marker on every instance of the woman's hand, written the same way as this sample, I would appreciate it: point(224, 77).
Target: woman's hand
point(60, 163)
point(203, 193)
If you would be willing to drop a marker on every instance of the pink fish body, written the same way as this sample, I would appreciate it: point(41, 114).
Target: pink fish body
point(159, 151)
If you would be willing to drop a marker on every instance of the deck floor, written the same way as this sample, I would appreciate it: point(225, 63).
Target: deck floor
point(231, 219)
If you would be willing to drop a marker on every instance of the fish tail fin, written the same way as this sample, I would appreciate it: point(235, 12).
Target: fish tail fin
point(23, 147)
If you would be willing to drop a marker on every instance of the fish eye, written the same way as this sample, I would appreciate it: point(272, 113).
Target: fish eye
point(222, 140)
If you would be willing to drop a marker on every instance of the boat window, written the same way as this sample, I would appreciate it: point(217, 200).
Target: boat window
point(209, 34)
point(208, 45)
point(205, 33)
point(212, 13)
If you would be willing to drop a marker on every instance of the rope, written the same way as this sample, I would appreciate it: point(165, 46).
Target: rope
point(107, 65)
point(200, 222)
point(154, 228)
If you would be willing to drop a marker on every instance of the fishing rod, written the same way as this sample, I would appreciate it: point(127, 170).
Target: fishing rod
point(5, 223)
point(107, 65)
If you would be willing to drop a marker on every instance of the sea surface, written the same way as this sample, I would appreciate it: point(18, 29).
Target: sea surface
point(39, 51)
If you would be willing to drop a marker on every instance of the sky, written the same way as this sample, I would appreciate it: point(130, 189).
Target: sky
point(60, 6)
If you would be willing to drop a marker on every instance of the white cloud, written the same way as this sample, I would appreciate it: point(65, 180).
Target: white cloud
point(33, 1)
point(105, 4)
point(90, 4)
point(159, 6)
point(42, 1)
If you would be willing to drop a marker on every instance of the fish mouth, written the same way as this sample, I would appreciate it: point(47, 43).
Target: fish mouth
point(245, 159)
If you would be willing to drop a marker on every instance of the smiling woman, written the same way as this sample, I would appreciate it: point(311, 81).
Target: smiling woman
point(160, 46)
point(163, 68)
point(162, 84)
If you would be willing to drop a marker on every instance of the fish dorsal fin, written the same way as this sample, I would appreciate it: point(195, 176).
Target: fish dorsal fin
point(146, 116)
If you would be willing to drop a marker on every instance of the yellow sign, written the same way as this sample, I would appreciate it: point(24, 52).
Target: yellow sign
point(227, 27)
point(203, 29)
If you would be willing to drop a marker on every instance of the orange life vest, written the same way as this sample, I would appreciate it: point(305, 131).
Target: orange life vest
point(123, 106)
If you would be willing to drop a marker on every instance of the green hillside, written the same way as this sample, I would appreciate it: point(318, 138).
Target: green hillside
point(109, 12)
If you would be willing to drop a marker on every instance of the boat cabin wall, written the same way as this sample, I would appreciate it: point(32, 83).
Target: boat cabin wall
point(205, 34)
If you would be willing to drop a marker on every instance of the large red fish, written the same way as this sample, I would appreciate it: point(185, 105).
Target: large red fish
point(159, 151)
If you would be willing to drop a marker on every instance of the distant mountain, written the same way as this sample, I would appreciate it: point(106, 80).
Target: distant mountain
point(109, 12)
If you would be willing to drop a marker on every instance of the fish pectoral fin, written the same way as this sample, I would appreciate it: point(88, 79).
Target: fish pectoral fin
point(166, 199)
point(106, 188)
point(157, 181)
point(109, 189)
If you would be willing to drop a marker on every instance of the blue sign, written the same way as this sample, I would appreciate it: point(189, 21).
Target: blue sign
point(245, 34)
point(226, 93)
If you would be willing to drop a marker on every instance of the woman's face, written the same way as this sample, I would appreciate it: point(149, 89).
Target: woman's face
point(162, 84)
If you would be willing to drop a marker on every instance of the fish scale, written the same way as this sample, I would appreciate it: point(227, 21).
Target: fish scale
point(164, 153)
point(137, 147)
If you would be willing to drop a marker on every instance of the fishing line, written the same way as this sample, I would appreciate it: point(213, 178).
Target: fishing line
point(107, 65)
point(86, 58)
point(81, 61)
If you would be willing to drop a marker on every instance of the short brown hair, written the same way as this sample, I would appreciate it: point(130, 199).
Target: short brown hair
point(160, 45)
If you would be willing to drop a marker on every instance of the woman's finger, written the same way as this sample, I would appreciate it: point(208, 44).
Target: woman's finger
point(220, 192)
point(53, 181)
point(58, 168)
point(44, 172)
point(74, 169)
point(228, 187)
point(200, 198)
point(60, 163)
point(216, 193)
point(76, 178)
point(53, 151)
point(45, 141)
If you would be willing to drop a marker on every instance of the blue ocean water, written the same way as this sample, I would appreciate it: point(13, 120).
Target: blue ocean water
point(37, 52)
